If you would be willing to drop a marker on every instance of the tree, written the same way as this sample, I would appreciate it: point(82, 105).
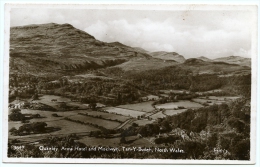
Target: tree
point(134, 124)
point(39, 126)
point(13, 131)
point(63, 105)
point(55, 115)
point(193, 149)
point(35, 96)
point(123, 140)
point(241, 150)
point(16, 115)
point(15, 110)
point(93, 106)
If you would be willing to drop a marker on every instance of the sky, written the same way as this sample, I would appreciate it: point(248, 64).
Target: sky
point(191, 33)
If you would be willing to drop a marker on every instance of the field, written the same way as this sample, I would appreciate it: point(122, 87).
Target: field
point(210, 100)
point(143, 122)
point(172, 91)
point(184, 103)
point(101, 122)
point(223, 98)
point(151, 97)
point(210, 91)
point(66, 128)
point(46, 116)
point(201, 101)
point(107, 115)
point(144, 106)
point(46, 99)
point(173, 112)
point(91, 76)
point(157, 115)
point(122, 111)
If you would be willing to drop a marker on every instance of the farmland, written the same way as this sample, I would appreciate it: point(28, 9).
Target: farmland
point(122, 111)
point(143, 122)
point(183, 103)
point(157, 115)
point(101, 122)
point(65, 127)
point(47, 99)
point(70, 127)
point(46, 116)
point(173, 112)
point(223, 98)
point(108, 115)
point(151, 97)
point(207, 101)
point(143, 106)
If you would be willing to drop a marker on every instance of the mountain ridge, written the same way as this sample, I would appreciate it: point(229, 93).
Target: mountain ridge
point(62, 48)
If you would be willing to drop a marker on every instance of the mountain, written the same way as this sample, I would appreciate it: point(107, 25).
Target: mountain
point(204, 59)
point(61, 47)
point(168, 56)
point(235, 60)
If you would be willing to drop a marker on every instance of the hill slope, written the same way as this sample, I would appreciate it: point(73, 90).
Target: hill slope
point(61, 47)
point(168, 56)
point(204, 59)
point(235, 60)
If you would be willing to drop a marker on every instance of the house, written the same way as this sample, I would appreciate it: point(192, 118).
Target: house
point(178, 132)
point(25, 104)
point(99, 105)
point(18, 105)
point(28, 116)
point(139, 135)
point(192, 134)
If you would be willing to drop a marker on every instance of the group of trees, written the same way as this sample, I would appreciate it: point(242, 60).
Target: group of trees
point(15, 115)
point(175, 77)
point(36, 127)
point(100, 117)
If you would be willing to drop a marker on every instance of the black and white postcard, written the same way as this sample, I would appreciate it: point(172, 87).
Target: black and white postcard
point(170, 84)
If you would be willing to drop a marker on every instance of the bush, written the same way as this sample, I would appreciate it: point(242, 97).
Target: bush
point(55, 115)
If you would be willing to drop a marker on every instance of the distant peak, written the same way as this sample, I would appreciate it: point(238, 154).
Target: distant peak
point(231, 57)
point(203, 57)
point(67, 25)
point(168, 56)
point(194, 61)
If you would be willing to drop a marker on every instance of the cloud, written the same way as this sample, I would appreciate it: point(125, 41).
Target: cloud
point(188, 40)
point(195, 33)
point(242, 52)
